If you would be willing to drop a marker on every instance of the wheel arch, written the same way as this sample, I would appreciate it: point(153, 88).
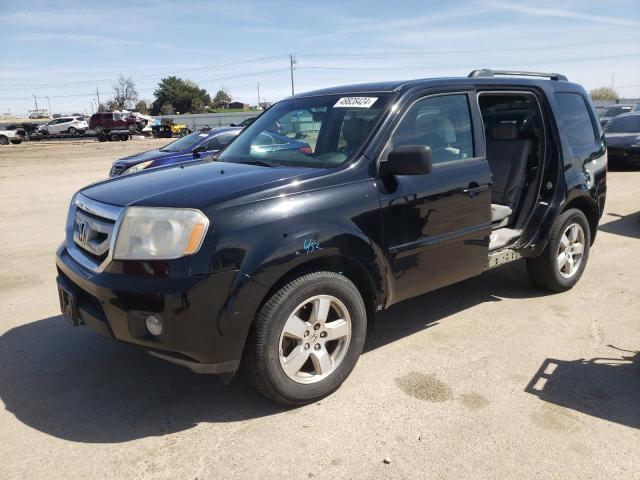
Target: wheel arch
point(590, 209)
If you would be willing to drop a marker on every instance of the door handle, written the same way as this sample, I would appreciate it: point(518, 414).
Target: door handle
point(474, 189)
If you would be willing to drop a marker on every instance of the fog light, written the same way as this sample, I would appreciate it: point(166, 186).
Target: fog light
point(154, 325)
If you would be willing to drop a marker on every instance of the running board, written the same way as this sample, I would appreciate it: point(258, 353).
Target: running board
point(501, 257)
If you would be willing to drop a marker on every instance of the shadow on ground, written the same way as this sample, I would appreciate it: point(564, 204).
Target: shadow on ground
point(74, 384)
point(607, 388)
point(627, 225)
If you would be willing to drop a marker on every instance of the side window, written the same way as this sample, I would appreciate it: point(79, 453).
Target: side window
point(576, 120)
point(442, 123)
point(219, 141)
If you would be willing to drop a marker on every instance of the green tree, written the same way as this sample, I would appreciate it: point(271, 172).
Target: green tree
point(183, 95)
point(167, 109)
point(604, 94)
point(142, 107)
point(222, 95)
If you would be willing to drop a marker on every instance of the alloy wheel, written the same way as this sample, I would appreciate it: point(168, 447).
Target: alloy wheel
point(571, 250)
point(315, 339)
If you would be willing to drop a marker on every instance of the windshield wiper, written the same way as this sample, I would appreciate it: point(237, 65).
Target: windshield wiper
point(260, 163)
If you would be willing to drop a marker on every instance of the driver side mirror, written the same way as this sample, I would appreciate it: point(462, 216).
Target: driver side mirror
point(408, 160)
point(198, 150)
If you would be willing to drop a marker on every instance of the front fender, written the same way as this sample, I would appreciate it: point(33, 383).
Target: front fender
point(263, 270)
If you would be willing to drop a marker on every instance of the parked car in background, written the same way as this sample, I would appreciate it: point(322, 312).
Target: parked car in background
point(622, 135)
point(277, 261)
point(612, 111)
point(196, 146)
point(245, 123)
point(106, 121)
point(12, 135)
point(70, 125)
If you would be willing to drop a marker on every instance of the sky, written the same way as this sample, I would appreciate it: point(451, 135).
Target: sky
point(65, 50)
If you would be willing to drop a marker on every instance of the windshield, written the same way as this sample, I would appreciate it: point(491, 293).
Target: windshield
point(629, 124)
point(185, 143)
point(322, 131)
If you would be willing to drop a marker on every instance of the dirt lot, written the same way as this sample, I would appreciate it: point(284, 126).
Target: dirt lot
point(490, 378)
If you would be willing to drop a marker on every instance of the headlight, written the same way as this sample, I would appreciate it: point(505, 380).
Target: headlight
point(148, 233)
point(137, 167)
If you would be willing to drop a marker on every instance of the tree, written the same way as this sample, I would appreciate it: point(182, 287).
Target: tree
point(183, 95)
point(142, 107)
point(604, 94)
point(167, 109)
point(125, 94)
point(222, 95)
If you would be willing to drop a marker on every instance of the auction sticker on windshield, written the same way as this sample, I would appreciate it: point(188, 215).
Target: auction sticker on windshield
point(358, 102)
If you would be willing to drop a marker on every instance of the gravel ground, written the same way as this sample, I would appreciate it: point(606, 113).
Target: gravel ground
point(490, 378)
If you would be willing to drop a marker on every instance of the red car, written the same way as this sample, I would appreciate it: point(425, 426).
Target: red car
point(107, 121)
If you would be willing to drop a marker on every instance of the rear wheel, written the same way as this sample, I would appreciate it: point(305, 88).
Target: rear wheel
point(565, 257)
point(306, 338)
point(98, 129)
point(132, 128)
point(72, 130)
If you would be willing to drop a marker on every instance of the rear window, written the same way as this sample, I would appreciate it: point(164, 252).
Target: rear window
point(576, 120)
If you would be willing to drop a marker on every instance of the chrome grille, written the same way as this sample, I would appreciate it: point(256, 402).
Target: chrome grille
point(92, 233)
point(91, 228)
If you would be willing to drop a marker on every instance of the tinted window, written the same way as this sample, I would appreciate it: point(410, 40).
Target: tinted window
point(630, 124)
point(219, 141)
point(443, 123)
point(575, 117)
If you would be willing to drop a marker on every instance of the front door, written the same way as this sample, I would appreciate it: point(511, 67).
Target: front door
point(437, 226)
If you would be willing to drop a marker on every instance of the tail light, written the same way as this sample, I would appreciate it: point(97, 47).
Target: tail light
point(305, 150)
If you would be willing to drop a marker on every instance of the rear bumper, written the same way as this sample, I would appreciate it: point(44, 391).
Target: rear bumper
point(196, 333)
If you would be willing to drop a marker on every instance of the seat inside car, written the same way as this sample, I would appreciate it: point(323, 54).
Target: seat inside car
point(507, 155)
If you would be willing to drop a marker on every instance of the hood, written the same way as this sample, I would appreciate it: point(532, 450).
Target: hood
point(621, 140)
point(194, 185)
point(143, 157)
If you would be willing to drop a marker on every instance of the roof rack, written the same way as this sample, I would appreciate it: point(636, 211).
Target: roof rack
point(488, 73)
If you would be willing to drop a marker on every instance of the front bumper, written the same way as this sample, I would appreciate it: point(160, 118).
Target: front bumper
point(194, 309)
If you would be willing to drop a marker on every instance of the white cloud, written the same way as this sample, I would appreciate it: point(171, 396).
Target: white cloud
point(529, 9)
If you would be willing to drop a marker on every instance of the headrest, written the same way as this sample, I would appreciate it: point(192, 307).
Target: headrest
point(505, 131)
point(354, 130)
point(438, 128)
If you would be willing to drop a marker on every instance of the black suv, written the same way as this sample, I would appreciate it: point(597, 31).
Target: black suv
point(276, 259)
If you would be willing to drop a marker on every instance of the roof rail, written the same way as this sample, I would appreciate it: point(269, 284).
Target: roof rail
point(488, 73)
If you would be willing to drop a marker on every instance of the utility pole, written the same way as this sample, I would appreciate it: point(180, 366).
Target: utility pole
point(36, 102)
point(98, 95)
point(49, 102)
point(292, 62)
point(258, 93)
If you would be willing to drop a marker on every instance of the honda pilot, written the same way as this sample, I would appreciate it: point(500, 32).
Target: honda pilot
point(275, 261)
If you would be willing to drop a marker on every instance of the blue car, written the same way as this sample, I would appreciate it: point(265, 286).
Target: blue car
point(192, 147)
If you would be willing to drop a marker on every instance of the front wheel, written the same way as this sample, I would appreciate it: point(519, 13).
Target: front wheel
point(4, 140)
point(565, 257)
point(72, 130)
point(306, 338)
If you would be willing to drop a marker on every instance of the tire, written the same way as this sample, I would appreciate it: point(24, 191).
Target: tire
point(334, 346)
point(551, 270)
point(16, 142)
point(4, 140)
point(132, 128)
point(98, 129)
point(72, 131)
